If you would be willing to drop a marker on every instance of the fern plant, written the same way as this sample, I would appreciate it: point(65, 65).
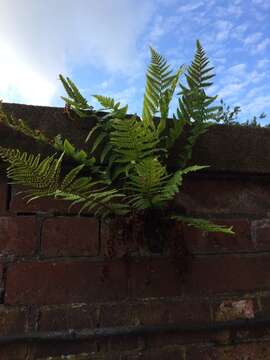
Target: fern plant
point(124, 171)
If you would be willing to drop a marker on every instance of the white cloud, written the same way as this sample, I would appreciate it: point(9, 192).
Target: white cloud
point(262, 63)
point(189, 7)
point(238, 31)
point(263, 45)
point(230, 90)
point(238, 69)
point(265, 4)
point(258, 104)
point(20, 80)
point(253, 38)
point(157, 31)
point(40, 39)
point(223, 30)
point(235, 10)
point(254, 92)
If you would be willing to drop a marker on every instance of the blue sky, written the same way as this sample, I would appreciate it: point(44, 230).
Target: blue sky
point(103, 45)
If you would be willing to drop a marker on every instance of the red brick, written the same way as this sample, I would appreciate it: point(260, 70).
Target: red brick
point(260, 231)
point(199, 242)
point(264, 306)
point(73, 316)
point(121, 344)
point(14, 352)
point(168, 353)
point(85, 356)
point(122, 236)
point(70, 236)
point(251, 335)
point(224, 196)
point(154, 313)
point(3, 194)
point(65, 282)
point(155, 341)
point(12, 320)
point(205, 275)
point(18, 235)
point(155, 278)
point(228, 273)
point(259, 351)
point(56, 350)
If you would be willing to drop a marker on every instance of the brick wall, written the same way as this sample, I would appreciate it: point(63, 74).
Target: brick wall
point(56, 276)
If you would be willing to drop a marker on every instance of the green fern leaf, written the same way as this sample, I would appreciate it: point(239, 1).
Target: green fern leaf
point(171, 187)
point(75, 99)
point(42, 176)
point(203, 224)
point(158, 79)
point(132, 141)
point(109, 103)
point(146, 182)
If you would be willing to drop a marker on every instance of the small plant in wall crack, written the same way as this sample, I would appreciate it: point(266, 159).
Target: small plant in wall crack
point(122, 169)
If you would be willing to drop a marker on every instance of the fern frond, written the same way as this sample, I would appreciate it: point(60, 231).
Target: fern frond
point(109, 103)
point(132, 141)
point(194, 111)
point(159, 79)
point(203, 224)
point(43, 179)
point(98, 201)
point(75, 100)
point(166, 99)
point(42, 176)
point(194, 104)
point(103, 127)
point(171, 186)
point(146, 182)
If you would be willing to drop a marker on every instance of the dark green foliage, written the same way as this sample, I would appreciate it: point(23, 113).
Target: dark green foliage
point(125, 164)
point(228, 116)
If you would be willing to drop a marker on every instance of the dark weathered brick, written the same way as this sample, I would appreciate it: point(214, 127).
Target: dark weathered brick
point(159, 312)
point(56, 350)
point(205, 275)
point(168, 353)
point(14, 352)
point(86, 356)
point(3, 194)
point(72, 316)
point(70, 236)
point(120, 344)
point(12, 320)
point(224, 196)
point(226, 274)
point(251, 351)
point(65, 282)
point(260, 231)
point(18, 235)
point(155, 278)
point(120, 237)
